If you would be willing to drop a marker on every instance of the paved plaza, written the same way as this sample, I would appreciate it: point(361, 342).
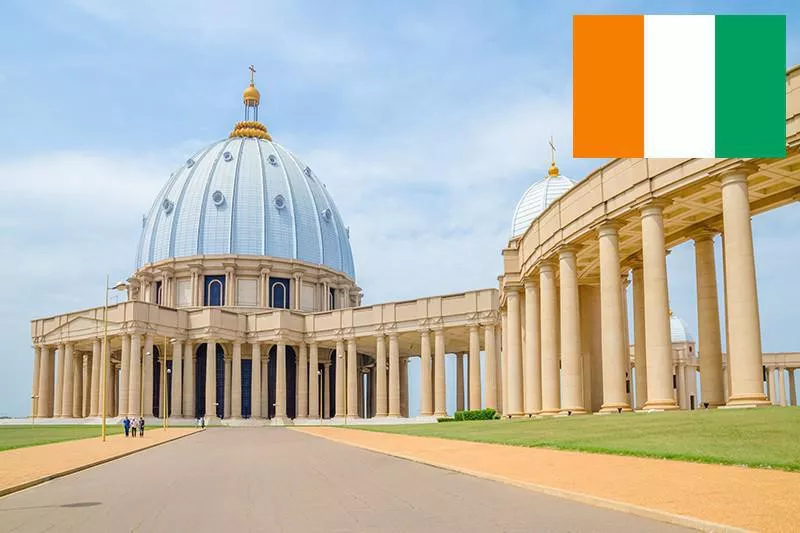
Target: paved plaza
point(273, 479)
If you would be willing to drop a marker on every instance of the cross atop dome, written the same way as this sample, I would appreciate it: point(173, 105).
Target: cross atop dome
point(553, 171)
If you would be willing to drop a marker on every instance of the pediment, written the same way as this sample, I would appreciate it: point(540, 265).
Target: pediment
point(77, 328)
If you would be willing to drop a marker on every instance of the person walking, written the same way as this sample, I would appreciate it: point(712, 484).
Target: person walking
point(141, 427)
point(133, 427)
point(203, 422)
point(126, 423)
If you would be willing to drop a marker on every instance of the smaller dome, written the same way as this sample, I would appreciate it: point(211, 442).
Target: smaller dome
point(536, 199)
point(251, 95)
point(679, 329)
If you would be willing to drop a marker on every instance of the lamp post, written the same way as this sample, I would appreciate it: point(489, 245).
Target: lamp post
point(104, 358)
point(164, 372)
point(320, 394)
point(35, 398)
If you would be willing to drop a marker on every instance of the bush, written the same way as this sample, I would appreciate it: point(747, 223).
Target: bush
point(480, 414)
point(445, 419)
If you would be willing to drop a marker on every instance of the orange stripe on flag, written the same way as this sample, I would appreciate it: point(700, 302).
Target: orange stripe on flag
point(608, 85)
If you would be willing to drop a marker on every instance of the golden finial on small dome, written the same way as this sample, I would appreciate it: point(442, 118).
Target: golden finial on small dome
point(553, 170)
point(251, 96)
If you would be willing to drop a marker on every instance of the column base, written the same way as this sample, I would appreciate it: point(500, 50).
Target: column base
point(574, 411)
point(440, 415)
point(612, 408)
point(280, 421)
point(548, 412)
point(660, 405)
point(748, 400)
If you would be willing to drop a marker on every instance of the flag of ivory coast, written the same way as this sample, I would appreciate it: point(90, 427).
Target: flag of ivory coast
point(679, 85)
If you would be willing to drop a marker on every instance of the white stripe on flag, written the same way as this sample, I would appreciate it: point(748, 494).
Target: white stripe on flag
point(679, 84)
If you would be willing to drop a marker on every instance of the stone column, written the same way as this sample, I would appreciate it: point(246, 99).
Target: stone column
point(551, 375)
point(45, 384)
point(773, 395)
point(404, 387)
point(626, 338)
point(106, 392)
point(490, 359)
point(177, 379)
point(280, 381)
point(188, 381)
point(302, 381)
point(381, 393)
point(474, 368)
point(394, 376)
point(352, 378)
point(313, 381)
point(66, 399)
point(639, 353)
point(681, 371)
point(504, 361)
point(515, 407)
point(236, 381)
point(656, 310)
point(498, 346)
point(708, 320)
point(341, 373)
point(744, 350)
point(326, 397)
point(125, 374)
point(94, 394)
point(211, 380)
point(781, 387)
point(265, 398)
point(792, 388)
point(615, 353)
point(571, 353)
point(459, 382)
point(227, 389)
point(440, 389)
point(86, 386)
point(77, 384)
point(425, 360)
point(255, 382)
point(59, 381)
point(147, 376)
point(533, 356)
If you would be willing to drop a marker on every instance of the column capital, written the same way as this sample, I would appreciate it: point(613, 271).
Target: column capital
point(738, 172)
point(547, 265)
point(703, 234)
point(568, 249)
point(608, 227)
point(653, 206)
point(474, 327)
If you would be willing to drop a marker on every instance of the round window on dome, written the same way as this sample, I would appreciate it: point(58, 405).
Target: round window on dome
point(308, 173)
point(273, 160)
point(227, 156)
point(218, 198)
point(326, 215)
point(190, 163)
point(280, 201)
point(167, 205)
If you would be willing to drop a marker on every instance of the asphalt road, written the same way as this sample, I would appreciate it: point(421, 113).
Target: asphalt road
point(271, 479)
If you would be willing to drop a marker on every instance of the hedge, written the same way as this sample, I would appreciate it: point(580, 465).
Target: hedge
point(480, 414)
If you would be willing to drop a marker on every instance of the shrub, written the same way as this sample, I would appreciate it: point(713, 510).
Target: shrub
point(445, 419)
point(479, 414)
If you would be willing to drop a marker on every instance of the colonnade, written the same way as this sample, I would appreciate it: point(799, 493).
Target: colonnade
point(332, 380)
point(552, 310)
point(779, 393)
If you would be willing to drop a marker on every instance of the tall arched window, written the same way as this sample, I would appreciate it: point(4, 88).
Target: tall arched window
point(214, 293)
point(279, 293)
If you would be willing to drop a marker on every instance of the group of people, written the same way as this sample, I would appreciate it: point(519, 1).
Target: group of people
point(132, 424)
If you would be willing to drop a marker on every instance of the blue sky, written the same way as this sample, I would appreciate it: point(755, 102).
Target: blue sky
point(426, 120)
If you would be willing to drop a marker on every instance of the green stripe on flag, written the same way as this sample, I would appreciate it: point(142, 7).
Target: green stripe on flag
point(750, 86)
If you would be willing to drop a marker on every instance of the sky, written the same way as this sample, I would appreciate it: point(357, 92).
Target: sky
point(426, 120)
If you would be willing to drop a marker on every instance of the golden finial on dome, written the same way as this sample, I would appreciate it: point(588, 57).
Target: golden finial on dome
point(250, 126)
point(251, 96)
point(553, 170)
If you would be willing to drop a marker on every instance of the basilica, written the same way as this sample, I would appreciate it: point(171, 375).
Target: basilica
point(244, 307)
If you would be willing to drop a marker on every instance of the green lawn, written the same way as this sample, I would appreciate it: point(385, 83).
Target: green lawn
point(34, 435)
point(764, 438)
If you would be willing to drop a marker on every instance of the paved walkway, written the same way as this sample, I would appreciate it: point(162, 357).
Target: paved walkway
point(24, 466)
point(276, 479)
point(749, 498)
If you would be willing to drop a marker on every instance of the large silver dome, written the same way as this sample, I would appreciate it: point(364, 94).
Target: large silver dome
point(246, 196)
point(536, 199)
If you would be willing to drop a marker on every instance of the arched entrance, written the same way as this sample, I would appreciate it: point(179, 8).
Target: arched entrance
point(200, 381)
